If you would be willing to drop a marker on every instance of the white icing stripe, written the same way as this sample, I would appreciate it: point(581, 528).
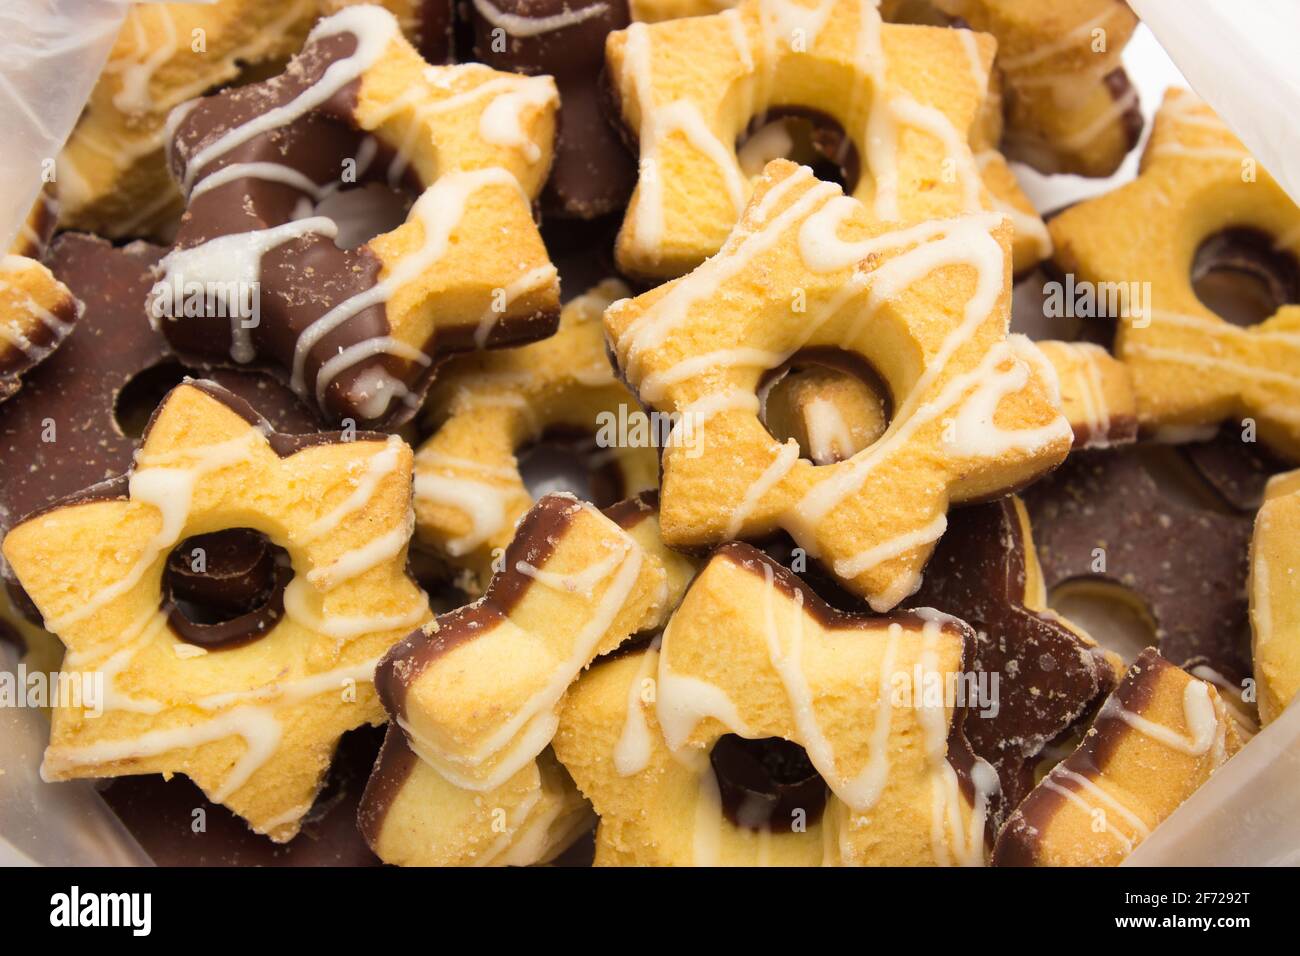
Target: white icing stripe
point(267, 172)
point(635, 743)
point(483, 504)
point(1198, 712)
point(300, 598)
point(360, 560)
point(380, 466)
point(502, 123)
point(849, 568)
point(786, 456)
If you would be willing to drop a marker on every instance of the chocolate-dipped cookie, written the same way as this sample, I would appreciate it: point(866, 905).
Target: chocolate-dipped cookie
point(593, 172)
point(1050, 675)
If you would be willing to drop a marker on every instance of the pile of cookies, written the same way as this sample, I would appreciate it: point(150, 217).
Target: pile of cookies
point(530, 431)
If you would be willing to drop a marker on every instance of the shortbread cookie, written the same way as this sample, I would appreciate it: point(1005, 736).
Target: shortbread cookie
point(1157, 738)
point(906, 97)
point(1113, 524)
point(358, 331)
point(1070, 107)
point(976, 412)
point(1200, 210)
point(469, 491)
point(112, 172)
point(251, 715)
point(886, 777)
point(1050, 675)
point(1275, 596)
point(37, 312)
point(465, 775)
point(593, 171)
point(64, 431)
point(1096, 393)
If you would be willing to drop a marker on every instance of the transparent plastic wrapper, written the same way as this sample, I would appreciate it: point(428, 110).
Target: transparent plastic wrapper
point(1239, 57)
point(51, 53)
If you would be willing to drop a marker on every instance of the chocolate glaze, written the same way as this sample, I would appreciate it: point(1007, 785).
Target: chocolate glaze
point(10, 635)
point(1019, 841)
point(593, 173)
point(302, 279)
point(763, 783)
point(1242, 276)
point(1188, 564)
point(1050, 680)
point(239, 599)
point(160, 815)
point(78, 388)
point(395, 763)
point(1237, 470)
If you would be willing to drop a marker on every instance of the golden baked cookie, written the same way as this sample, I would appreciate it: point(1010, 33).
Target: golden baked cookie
point(1160, 250)
point(1069, 105)
point(37, 312)
point(1157, 738)
point(358, 331)
point(900, 101)
point(1096, 393)
point(1275, 596)
point(466, 775)
point(251, 708)
point(975, 411)
point(469, 491)
point(112, 171)
point(654, 739)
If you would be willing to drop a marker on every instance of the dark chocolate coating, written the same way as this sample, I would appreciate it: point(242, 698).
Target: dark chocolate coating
point(239, 595)
point(1018, 842)
point(1049, 679)
point(764, 783)
point(304, 278)
point(1188, 564)
point(1237, 470)
point(593, 172)
point(160, 815)
point(435, 31)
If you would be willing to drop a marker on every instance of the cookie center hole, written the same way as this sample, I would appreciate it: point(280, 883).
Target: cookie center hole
point(568, 459)
point(1116, 616)
point(139, 398)
point(225, 588)
point(806, 136)
point(830, 401)
point(1243, 277)
point(767, 784)
point(362, 213)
